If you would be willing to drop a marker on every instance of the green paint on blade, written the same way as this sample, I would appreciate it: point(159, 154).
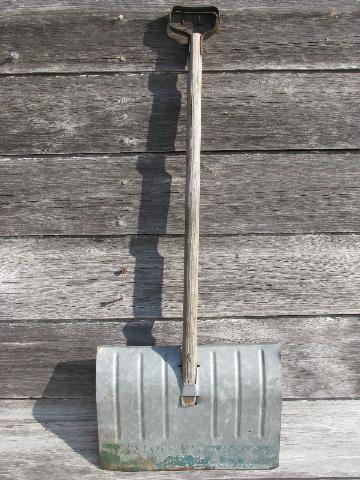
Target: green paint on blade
point(131, 457)
point(183, 461)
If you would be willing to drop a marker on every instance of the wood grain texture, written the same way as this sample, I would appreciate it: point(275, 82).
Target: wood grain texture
point(73, 37)
point(24, 6)
point(142, 276)
point(145, 112)
point(240, 193)
point(192, 216)
point(58, 439)
point(57, 360)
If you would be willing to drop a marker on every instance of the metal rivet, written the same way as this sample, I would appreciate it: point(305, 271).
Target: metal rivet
point(14, 55)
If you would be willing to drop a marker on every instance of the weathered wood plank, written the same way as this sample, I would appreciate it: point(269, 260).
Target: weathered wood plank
point(145, 112)
point(67, 37)
point(58, 439)
point(142, 277)
point(57, 360)
point(24, 6)
point(240, 193)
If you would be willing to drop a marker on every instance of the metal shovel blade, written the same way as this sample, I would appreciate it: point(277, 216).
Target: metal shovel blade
point(235, 424)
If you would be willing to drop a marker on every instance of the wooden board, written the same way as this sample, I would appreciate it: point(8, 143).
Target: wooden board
point(141, 277)
point(151, 6)
point(145, 112)
point(57, 360)
point(58, 439)
point(73, 37)
point(240, 193)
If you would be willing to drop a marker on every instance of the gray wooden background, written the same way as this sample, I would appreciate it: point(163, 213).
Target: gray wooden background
point(92, 138)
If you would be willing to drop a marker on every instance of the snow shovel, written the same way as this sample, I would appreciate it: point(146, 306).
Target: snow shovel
point(189, 407)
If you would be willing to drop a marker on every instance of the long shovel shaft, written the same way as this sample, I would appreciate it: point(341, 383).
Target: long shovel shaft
point(192, 207)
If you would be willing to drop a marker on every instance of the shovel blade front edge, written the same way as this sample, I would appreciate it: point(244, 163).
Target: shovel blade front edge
point(235, 424)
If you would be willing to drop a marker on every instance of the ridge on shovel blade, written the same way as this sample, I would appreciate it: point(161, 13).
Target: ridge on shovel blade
point(235, 424)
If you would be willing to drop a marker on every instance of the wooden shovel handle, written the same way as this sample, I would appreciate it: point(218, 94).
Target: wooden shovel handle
point(192, 207)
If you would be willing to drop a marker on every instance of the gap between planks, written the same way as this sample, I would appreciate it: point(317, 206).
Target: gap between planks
point(178, 153)
point(89, 73)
